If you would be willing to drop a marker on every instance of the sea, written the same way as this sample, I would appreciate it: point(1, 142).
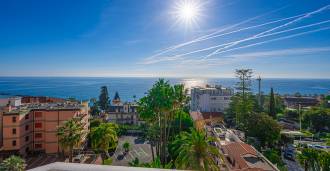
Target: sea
point(84, 88)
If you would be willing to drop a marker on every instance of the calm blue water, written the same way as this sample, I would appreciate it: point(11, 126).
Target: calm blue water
point(86, 87)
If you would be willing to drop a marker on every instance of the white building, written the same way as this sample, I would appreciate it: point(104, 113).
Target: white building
point(210, 99)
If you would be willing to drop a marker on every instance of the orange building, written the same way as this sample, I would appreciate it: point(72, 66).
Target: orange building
point(32, 127)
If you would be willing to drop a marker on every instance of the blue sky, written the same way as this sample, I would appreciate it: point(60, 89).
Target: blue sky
point(276, 38)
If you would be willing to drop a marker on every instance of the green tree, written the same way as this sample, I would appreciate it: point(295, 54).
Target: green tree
point(317, 119)
point(309, 159)
point(13, 163)
point(156, 107)
point(104, 98)
point(193, 151)
point(243, 103)
point(272, 111)
point(70, 135)
point(275, 157)
point(94, 110)
point(126, 146)
point(104, 137)
point(270, 133)
point(95, 122)
point(244, 84)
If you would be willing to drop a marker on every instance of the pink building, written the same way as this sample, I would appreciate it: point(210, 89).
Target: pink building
point(32, 127)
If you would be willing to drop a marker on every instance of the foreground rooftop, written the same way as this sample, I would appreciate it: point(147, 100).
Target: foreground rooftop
point(60, 166)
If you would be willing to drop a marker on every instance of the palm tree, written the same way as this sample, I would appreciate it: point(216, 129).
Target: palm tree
point(193, 151)
point(126, 146)
point(70, 135)
point(309, 159)
point(13, 163)
point(104, 137)
point(180, 100)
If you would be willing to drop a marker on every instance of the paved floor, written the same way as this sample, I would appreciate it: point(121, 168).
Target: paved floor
point(292, 165)
point(139, 149)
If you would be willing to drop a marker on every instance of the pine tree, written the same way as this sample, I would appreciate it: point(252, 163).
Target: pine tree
point(272, 111)
point(104, 98)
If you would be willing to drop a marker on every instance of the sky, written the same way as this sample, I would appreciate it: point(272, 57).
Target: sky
point(156, 38)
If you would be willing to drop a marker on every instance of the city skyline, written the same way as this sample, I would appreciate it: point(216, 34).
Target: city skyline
point(187, 38)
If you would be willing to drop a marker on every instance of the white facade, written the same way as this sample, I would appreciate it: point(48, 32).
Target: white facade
point(210, 99)
point(12, 101)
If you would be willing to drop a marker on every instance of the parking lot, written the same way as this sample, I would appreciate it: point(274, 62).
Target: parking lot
point(138, 148)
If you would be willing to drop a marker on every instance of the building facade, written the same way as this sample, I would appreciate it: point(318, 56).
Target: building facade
point(122, 113)
point(33, 127)
point(294, 102)
point(210, 99)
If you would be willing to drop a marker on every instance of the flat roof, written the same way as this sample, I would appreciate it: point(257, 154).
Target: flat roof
point(24, 109)
point(60, 166)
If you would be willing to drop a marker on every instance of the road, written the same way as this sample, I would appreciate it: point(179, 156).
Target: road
point(292, 165)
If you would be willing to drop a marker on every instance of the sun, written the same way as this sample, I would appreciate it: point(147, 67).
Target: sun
point(188, 12)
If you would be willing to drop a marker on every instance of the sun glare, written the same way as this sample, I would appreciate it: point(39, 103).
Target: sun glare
point(188, 12)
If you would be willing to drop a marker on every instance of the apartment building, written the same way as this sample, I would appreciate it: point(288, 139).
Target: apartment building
point(32, 127)
point(210, 98)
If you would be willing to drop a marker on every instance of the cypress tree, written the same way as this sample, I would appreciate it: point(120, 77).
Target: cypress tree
point(104, 98)
point(272, 111)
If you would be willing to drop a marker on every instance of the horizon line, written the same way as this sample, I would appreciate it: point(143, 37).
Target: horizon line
point(170, 77)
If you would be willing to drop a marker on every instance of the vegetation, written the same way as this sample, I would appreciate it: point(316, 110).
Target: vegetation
point(317, 119)
point(126, 146)
point(94, 110)
point(104, 98)
point(193, 151)
point(312, 159)
point(159, 108)
point(272, 111)
point(107, 161)
point(242, 102)
point(264, 128)
point(70, 135)
point(95, 122)
point(154, 164)
point(135, 162)
point(13, 163)
point(104, 137)
point(275, 157)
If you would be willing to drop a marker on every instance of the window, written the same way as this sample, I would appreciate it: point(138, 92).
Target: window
point(38, 145)
point(38, 135)
point(38, 125)
point(38, 114)
point(14, 131)
point(14, 143)
point(14, 119)
point(27, 116)
point(26, 127)
point(26, 138)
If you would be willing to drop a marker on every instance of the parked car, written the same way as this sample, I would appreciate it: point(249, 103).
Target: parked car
point(289, 153)
point(78, 158)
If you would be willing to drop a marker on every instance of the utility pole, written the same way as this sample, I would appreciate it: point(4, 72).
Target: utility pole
point(299, 112)
point(259, 91)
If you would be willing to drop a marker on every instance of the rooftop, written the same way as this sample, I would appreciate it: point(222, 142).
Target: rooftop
point(23, 109)
point(60, 166)
point(243, 156)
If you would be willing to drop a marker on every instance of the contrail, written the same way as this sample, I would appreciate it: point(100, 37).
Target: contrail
point(275, 28)
point(210, 37)
point(205, 37)
point(252, 38)
point(276, 39)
